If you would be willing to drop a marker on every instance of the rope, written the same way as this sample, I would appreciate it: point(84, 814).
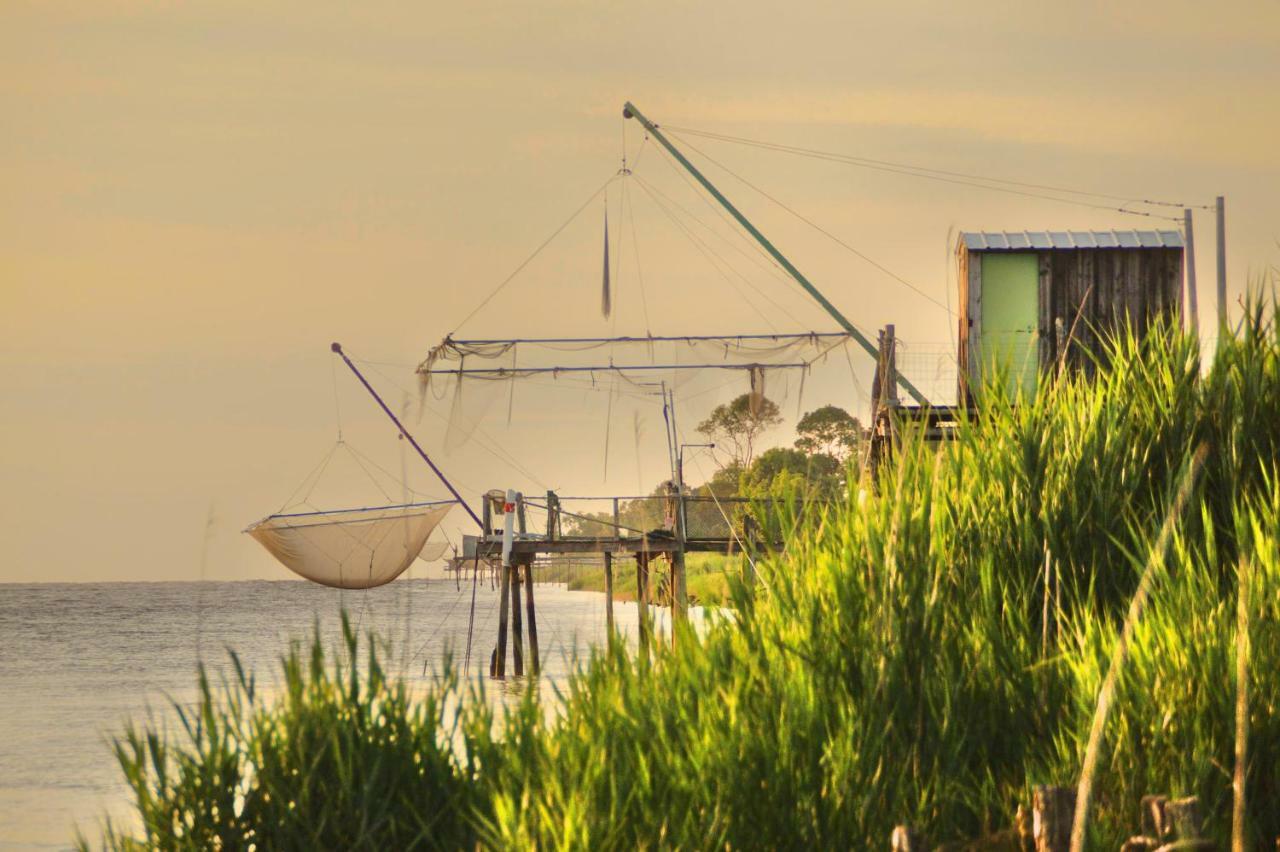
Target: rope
point(776, 272)
point(708, 254)
point(961, 178)
point(316, 473)
point(471, 617)
point(635, 251)
point(895, 276)
point(732, 531)
point(536, 252)
point(499, 453)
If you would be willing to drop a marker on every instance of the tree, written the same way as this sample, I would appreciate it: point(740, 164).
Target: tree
point(830, 430)
point(735, 426)
point(819, 474)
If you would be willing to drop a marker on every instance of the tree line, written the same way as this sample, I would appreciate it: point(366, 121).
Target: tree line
point(827, 440)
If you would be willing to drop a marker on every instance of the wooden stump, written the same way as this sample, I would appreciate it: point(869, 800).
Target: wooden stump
point(1052, 812)
point(907, 839)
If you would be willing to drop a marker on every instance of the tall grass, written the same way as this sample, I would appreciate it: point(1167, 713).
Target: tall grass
point(908, 658)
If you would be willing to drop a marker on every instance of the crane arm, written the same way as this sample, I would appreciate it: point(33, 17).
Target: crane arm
point(629, 111)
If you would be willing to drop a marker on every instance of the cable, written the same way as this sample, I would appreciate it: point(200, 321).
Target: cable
point(707, 254)
point(895, 276)
point(498, 453)
point(942, 174)
point(635, 251)
point(536, 252)
point(777, 272)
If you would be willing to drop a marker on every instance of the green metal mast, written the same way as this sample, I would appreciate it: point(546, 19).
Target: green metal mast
point(629, 111)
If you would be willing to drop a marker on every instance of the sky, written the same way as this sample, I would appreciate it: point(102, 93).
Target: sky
point(197, 198)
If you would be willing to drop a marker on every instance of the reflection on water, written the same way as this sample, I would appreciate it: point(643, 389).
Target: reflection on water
point(78, 660)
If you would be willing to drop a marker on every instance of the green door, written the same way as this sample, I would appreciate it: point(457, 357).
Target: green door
point(1009, 342)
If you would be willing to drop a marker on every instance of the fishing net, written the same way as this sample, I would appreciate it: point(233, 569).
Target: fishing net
point(354, 548)
point(475, 376)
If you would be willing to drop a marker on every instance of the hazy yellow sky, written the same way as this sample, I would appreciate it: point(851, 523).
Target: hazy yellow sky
point(196, 198)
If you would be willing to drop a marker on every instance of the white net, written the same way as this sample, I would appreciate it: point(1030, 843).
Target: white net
point(476, 376)
point(352, 549)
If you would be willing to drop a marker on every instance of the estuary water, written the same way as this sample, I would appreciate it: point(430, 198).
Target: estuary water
point(77, 661)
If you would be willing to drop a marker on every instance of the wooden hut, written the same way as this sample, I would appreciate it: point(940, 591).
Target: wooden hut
point(1031, 298)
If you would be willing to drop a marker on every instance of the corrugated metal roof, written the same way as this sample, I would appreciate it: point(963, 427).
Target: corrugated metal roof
point(1035, 240)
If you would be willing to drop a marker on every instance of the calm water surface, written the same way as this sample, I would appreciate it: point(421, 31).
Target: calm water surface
point(79, 660)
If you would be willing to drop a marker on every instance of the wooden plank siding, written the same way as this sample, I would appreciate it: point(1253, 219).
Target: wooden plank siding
point(1095, 292)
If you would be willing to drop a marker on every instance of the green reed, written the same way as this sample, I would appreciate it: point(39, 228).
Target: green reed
point(926, 653)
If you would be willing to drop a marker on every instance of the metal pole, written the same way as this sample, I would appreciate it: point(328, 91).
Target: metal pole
point(337, 347)
point(629, 111)
point(1189, 258)
point(1221, 210)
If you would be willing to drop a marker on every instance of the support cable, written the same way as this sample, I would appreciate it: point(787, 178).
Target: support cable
point(776, 271)
point(708, 254)
point(812, 224)
point(962, 178)
point(536, 252)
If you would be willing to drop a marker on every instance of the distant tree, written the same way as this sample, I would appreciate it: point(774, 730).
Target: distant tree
point(830, 430)
point(820, 474)
point(735, 426)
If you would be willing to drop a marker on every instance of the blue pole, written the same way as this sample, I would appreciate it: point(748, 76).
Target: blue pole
point(337, 347)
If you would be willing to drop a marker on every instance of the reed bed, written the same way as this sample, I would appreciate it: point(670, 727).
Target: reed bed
point(924, 653)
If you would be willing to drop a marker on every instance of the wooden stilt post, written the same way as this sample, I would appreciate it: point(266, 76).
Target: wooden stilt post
point(907, 839)
point(508, 536)
point(608, 590)
point(642, 594)
point(535, 662)
point(1221, 211)
point(1191, 296)
point(1052, 813)
point(517, 632)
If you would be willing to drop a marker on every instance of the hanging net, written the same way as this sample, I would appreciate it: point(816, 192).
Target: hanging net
point(472, 376)
point(352, 548)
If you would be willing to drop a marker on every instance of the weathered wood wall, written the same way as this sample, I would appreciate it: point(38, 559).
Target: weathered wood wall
point(1097, 292)
point(1093, 292)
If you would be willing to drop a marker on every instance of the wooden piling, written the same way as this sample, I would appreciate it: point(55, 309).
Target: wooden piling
point(535, 662)
point(501, 668)
point(642, 594)
point(508, 530)
point(517, 631)
point(907, 839)
point(608, 590)
point(1052, 812)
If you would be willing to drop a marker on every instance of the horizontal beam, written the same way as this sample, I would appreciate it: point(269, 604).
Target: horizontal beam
point(634, 544)
point(607, 368)
point(805, 335)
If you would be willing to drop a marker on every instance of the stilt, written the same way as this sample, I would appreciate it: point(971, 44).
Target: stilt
point(517, 638)
point(535, 664)
point(508, 537)
point(642, 595)
point(608, 591)
point(501, 668)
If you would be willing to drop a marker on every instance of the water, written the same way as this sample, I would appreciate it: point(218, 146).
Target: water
point(78, 660)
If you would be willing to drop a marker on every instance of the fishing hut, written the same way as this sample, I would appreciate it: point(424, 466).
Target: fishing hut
point(1033, 299)
point(1032, 302)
